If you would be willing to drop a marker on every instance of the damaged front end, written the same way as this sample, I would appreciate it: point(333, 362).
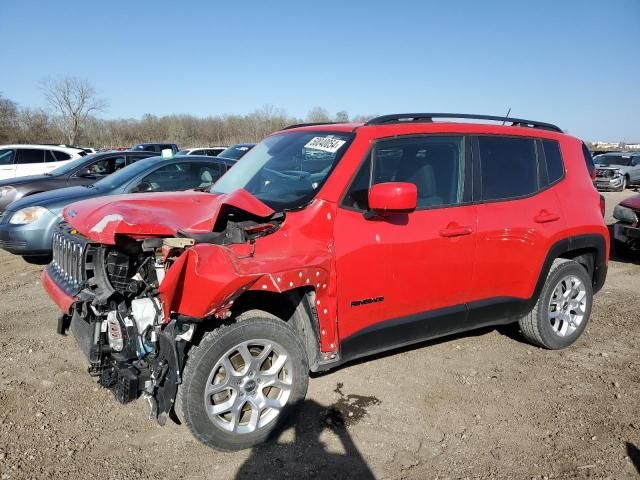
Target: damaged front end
point(608, 178)
point(118, 319)
point(120, 314)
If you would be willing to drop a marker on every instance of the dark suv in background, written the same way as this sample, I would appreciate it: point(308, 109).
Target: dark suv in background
point(155, 147)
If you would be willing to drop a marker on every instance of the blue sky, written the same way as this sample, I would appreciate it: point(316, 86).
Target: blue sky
point(573, 63)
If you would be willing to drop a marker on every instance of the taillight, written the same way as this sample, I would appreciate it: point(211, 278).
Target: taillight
point(602, 205)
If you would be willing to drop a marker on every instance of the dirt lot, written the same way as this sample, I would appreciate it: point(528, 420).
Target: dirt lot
point(483, 405)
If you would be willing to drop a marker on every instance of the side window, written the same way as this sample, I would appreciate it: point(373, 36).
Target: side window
point(509, 167)
point(6, 157)
point(134, 158)
point(435, 164)
point(106, 166)
point(207, 173)
point(62, 156)
point(179, 176)
point(29, 155)
point(48, 156)
point(553, 159)
point(357, 195)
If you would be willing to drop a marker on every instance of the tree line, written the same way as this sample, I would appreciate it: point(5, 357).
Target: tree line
point(73, 106)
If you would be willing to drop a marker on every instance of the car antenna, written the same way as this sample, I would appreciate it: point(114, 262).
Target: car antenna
point(506, 116)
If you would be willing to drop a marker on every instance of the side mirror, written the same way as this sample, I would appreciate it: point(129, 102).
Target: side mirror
point(85, 173)
point(393, 197)
point(142, 187)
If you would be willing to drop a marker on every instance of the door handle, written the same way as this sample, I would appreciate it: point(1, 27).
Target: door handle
point(546, 217)
point(455, 230)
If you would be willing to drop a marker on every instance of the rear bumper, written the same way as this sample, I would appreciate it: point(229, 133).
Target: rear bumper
point(59, 296)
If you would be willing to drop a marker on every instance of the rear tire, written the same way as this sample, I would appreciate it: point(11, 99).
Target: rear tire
point(563, 309)
point(255, 372)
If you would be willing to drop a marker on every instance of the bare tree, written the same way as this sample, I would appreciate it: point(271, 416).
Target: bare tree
point(8, 119)
point(318, 115)
point(342, 116)
point(73, 100)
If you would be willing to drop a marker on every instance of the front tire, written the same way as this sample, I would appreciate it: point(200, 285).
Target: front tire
point(563, 309)
point(242, 380)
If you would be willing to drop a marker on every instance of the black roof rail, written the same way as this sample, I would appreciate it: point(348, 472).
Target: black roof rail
point(428, 117)
point(297, 125)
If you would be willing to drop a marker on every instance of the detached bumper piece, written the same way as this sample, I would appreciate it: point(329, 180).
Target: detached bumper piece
point(628, 235)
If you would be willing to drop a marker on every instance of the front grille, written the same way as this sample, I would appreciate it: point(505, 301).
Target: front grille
point(67, 267)
point(604, 173)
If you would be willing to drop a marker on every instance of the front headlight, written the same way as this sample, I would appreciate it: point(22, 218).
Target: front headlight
point(27, 215)
point(6, 191)
point(625, 214)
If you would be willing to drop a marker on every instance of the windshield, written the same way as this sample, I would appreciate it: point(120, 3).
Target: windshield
point(285, 171)
point(607, 160)
point(127, 173)
point(235, 151)
point(72, 165)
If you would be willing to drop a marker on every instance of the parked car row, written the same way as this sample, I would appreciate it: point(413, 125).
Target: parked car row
point(30, 206)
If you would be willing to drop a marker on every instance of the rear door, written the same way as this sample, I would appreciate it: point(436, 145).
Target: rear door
point(519, 218)
point(7, 163)
point(30, 161)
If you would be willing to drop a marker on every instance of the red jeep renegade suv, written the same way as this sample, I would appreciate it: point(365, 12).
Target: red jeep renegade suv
point(323, 244)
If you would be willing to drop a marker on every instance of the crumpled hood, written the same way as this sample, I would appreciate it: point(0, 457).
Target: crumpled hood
point(632, 202)
point(156, 214)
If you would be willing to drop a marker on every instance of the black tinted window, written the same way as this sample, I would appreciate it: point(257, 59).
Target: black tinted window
point(48, 156)
point(509, 167)
point(434, 164)
point(6, 157)
point(553, 158)
point(29, 155)
point(62, 156)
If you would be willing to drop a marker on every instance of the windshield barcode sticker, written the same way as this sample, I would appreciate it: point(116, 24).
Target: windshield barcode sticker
point(326, 144)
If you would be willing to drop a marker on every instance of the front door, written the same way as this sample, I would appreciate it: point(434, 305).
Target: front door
point(405, 277)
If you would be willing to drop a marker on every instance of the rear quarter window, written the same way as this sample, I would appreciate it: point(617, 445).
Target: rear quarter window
point(553, 158)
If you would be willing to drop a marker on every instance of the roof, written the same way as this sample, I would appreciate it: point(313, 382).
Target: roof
point(43, 146)
point(424, 122)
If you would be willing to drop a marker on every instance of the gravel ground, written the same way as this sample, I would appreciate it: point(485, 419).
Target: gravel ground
point(481, 405)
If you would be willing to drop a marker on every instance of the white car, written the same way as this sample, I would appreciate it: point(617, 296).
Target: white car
point(208, 151)
point(22, 160)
